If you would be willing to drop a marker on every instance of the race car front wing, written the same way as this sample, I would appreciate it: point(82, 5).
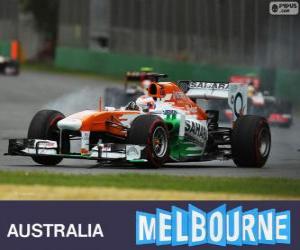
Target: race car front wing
point(100, 152)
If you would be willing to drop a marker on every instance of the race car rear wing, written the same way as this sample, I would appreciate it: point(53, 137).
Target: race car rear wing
point(235, 93)
point(140, 76)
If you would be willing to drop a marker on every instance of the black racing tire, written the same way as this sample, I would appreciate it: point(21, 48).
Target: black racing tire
point(116, 97)
point(144, 130)
point(251, 141)
point(44, 126)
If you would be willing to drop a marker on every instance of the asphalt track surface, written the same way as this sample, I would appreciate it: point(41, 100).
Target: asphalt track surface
point(21, 97)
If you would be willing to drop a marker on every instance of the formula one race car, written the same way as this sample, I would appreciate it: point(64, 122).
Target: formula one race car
point(280, 112)
point(255, 98)
point(257, 103)
point(256, 106)
point(9, 66)
point(277, 111)
point(136, 84)
point(165, 125)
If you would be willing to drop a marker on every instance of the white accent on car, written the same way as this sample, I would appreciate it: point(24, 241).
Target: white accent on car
point(74, 122)
point(69, 124)
point(85, 142)
point(46, 147)
point(109, 109)
point(105, 152)
point(45, 144)
point(182, 125)
point(108, 155)
point(133, 152)
point(32, 151)
point(207, 93)
point(238, 100)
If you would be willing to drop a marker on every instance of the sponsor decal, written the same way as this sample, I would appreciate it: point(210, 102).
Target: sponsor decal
point(237, 100)
point(238, 105)
point(284, 8)
point(218, 227)
point(209, 85)
point(196, 130)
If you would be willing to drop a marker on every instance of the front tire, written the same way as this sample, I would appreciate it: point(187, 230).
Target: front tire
point(251, 141)
point(44, 126)
point(150, 130)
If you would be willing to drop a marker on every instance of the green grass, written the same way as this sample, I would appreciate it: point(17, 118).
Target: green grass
point(259, 186)
point(51, 68)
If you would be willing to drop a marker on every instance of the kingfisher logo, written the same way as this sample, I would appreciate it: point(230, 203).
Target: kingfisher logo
point(217, 227)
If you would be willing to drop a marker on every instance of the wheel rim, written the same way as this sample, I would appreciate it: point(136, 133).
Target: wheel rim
point(159, 142)
point(264, 142)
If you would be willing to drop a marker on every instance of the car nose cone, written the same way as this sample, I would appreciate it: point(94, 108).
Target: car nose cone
point(69, 124)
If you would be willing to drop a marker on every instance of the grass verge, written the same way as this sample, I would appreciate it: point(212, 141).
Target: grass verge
point(40, 192)
point(52, 69)
point(257, 186)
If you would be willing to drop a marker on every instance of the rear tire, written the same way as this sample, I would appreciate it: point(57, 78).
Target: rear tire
point(251, 141)
point(150, 130)
point(44, 126)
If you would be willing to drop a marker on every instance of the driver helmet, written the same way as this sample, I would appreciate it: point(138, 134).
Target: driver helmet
point(145, 102)
point(145, 85)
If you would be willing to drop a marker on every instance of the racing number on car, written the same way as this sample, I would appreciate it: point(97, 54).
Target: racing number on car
point(238, 100)
point(238, 104)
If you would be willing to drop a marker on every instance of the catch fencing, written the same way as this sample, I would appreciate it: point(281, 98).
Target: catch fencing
point(8, 20)
point(234, 32)
point(212, 31)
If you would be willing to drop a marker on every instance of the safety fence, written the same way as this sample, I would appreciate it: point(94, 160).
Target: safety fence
point(223, 32)
point(8, 19)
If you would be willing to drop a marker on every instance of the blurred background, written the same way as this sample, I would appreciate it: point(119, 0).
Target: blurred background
point(194, 39)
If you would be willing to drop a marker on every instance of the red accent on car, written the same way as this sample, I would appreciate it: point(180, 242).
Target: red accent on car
point(278, 118)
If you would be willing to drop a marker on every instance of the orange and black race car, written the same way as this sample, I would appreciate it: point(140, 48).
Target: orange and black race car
point(164, 125)
point(9, 66)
